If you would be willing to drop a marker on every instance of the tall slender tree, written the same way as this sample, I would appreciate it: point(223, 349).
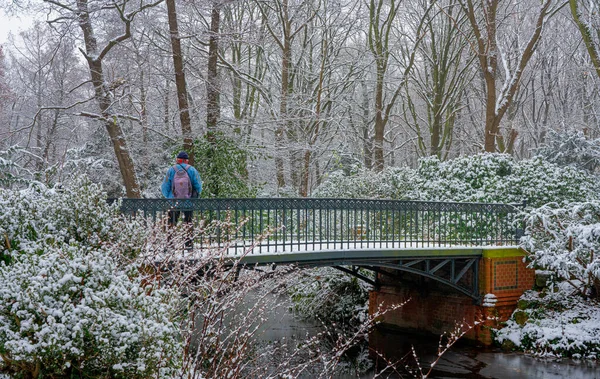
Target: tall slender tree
point(284, 34)
point(180, 81)
point(383, 24)
point(502, 86)
point(84, 14)
point(439, 82)
point(213, 107)
point(589, 32)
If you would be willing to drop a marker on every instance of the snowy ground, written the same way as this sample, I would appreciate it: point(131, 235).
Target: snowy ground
point(559, 323)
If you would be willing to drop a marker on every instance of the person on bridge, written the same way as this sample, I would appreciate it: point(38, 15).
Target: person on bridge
point(182, 181)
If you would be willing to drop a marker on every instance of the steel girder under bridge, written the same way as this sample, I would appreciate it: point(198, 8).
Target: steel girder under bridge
point(456, 267)
point(439, 240)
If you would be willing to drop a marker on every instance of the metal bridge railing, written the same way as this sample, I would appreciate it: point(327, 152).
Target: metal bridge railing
point(303, 224)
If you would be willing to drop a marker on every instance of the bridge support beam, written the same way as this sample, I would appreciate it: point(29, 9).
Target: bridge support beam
point(436, 308)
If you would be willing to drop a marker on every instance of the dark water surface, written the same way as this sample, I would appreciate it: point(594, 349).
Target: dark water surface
point(464, 360)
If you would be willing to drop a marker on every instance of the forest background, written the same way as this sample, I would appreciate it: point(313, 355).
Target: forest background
point(274, 96)
point(368, 98)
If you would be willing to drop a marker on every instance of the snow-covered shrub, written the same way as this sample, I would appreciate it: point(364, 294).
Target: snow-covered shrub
point(69, 301)
point(495, 178)
point(39, 217)
point(72, 311)
point(553, 323)
point(498, 178)
point(538, 182)
point(96, 160)
point(391, 183)
point(13, 174)
point(565, 239)
point(571, 148)
point(474, 178)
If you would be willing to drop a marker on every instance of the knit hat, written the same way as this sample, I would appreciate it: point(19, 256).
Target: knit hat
point(183, 155)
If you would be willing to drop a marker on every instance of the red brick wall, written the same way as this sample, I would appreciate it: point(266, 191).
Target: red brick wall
point(438, 309)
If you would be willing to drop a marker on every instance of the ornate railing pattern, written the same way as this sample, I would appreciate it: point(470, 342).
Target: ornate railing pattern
point(303, 224)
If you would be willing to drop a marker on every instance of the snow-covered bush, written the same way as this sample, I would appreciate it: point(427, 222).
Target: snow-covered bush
point(565, 239)
point(495, 178)
point(391, 183)
point(72, 311)
point(553, 323)
point(571, 148)
point(69, 301)
point(539, 182)
point(498, 178)
point(38, 217)
point(472, 179)
point(13, 174)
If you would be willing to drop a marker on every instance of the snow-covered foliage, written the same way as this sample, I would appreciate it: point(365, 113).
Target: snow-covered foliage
point(571, 148)
point(69, 310)
point(12, 173)
point(391, 183)
point(554, 323)
point(499, 178)
point(486, 177)
point(38, 217)
point(565, 239)
point(70, 303)
point(561, 320)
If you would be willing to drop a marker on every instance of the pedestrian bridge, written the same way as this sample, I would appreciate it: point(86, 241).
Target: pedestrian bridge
point(444, 241)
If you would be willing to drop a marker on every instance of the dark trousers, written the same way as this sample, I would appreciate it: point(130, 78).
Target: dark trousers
point(187, 218)
point(174, 217)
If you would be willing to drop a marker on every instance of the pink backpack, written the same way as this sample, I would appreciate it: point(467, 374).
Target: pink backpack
point(182, 185)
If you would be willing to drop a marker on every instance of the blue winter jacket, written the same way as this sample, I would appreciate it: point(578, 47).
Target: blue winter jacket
point(167, 184)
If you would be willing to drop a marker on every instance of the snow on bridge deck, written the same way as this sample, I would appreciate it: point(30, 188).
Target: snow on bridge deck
point(314, 253)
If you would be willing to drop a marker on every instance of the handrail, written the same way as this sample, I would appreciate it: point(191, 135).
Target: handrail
point(302, 224)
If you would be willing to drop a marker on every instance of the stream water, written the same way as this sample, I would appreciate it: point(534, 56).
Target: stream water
point(464, 360)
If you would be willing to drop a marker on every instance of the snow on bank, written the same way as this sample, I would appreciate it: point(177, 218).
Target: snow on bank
point(554, 323)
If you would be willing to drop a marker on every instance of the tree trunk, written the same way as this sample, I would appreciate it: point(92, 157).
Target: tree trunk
point(213, 111)
point(378, 161)
point(104, 98)
point(367, 143)
point(485, 44)
point(180, 82)
point(586, 34)
point(286, 60)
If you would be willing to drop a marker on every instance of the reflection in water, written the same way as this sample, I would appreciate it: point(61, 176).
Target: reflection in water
point(464, 360)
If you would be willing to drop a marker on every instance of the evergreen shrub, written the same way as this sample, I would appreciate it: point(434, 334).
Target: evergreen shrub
point(222, 162)
point(70, 303)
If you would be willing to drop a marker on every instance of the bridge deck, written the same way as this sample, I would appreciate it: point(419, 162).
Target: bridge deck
point(328, 253)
